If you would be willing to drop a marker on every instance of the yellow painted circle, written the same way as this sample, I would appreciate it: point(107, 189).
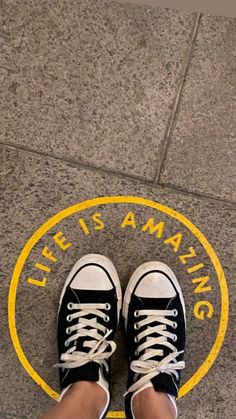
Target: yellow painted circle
point(206, 365)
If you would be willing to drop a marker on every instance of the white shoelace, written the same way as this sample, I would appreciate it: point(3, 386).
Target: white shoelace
point(87, 327)
point(145, 365)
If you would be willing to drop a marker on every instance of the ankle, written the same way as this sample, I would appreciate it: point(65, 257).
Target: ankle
point(156, 404)
point(91, 394)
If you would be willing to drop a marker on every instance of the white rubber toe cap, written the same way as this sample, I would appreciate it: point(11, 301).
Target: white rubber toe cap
point(155, 284)
point(91, 277)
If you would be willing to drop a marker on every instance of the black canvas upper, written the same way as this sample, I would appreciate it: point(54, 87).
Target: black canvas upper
point(89, 371)
point(162, 382)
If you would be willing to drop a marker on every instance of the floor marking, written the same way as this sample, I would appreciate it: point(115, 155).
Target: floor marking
point(116, 415)
point(210, 359)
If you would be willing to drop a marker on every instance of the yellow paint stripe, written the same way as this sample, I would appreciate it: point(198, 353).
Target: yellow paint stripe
point(116, 415)
point(204, 368)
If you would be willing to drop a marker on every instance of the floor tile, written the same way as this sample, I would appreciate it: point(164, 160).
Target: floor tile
point(201, 154)
point(91, 82)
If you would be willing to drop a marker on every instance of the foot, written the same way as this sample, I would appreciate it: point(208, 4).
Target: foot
point(155, 322)
point(88, 317)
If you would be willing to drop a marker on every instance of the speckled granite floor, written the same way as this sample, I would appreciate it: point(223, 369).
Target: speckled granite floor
point(102, 99)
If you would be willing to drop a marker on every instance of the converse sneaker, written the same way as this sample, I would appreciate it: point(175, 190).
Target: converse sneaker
point(88, 317)
point(154, 314)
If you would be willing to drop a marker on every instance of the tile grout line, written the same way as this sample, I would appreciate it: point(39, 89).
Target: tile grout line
point(206, 197)
point(79, 164)
point(177, 96)
point(131, 178)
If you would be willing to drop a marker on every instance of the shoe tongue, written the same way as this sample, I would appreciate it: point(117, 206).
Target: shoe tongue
point(88, 296)
point(153, 303)
point(88, 372)
point(162, 382)
point(165, 383)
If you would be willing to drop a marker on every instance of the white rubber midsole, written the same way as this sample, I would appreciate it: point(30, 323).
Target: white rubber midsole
point(138, 273)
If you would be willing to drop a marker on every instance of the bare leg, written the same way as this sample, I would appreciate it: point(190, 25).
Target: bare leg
point(83, 400)
point(153, 405)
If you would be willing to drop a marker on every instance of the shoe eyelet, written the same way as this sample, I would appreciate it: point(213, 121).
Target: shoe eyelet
point(136, 339)
point(136, 353)
point(136, 326)
point(175, 325)
point(108, 306)
point(70, 306)
point(175, 312)
point(66, 344)
point(106, 319)
point(175, 338)
point(68, 330)
point(68, 318)
point(136, 313)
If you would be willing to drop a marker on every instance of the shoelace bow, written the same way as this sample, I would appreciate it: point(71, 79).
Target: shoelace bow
point(87, 327)
point(145, 365)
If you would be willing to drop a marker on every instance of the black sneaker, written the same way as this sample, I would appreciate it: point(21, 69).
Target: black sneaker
point(88, 317)
point(155, 322)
